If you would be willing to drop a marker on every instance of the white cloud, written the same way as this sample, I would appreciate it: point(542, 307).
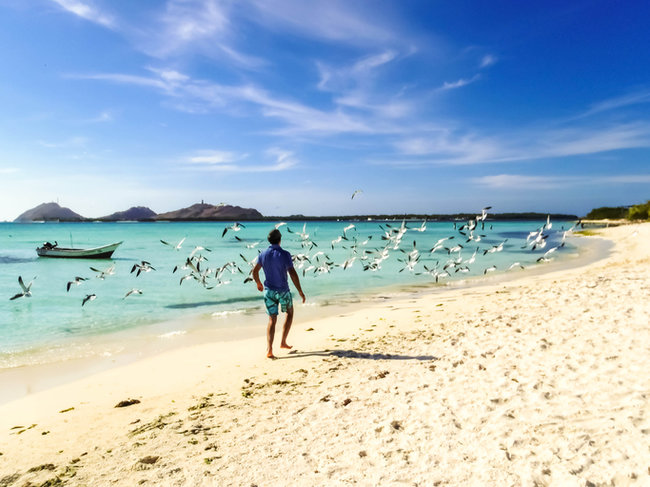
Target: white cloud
point(126, 79)
point(225, 161)
point(332, 20)
point(203, 26)
point(87, 11)
point(518, 181)
point(211, 157)
point(617, 102)
point(449, 147)
point(71, 142)
point(487, 60)
point(458, 84)
point(453, 147)
point(199, 95)
point(536, 182)
point(105, 116)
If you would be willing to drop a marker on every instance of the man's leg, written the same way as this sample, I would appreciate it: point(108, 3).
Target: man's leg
point(270, 333)
point(287, 326)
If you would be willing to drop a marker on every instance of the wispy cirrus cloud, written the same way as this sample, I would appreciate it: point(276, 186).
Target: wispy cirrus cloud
point(88, 11)
point(333, 20)
point(345, 76)
point(488, 60)
point(202, 95)
point(452, 85)
point(630, 99)
point(451, 147)
point(545, 182)
point(103, 117)
point(215, 157)
point(226, 161)
point(71, 142)
point(187, 26)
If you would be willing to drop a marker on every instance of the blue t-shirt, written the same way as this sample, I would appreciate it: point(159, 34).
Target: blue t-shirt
point(276, 262)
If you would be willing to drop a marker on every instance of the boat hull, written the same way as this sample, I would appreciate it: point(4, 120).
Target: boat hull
point(104, 252)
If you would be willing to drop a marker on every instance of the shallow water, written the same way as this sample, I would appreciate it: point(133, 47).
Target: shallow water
point(53, 324)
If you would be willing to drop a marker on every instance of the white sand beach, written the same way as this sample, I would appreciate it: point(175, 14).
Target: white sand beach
point(538, 381)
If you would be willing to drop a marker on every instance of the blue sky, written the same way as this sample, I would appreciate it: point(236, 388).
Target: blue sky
point(289, 106)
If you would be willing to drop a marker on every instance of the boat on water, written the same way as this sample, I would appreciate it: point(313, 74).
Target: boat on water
point(53, 250)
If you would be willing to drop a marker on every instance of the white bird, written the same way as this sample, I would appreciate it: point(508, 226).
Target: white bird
point(142, 267)
point(77, 281)
point(235, 227)
point(278, 225)
point(27, 290)
point(548, 224)
point(421, 228)
point(515, 264)
point(106, 272)
point(490, 269)
point(356, 192)
point(132, 291)
point(495, 248)
point(197, 249)
point(484, 212)
point(89, 297)
point(177, 246)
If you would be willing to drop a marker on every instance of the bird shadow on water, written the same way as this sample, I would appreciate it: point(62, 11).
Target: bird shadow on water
point(359, 355)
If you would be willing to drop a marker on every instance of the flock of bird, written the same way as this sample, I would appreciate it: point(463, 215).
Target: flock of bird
point(447, 255)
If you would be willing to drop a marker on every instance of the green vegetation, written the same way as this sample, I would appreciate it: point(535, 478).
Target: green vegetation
point(639, 212)
point(634, 212)
point(608, 213)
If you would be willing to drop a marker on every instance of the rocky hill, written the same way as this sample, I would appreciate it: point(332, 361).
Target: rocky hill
point(203, 211)
point(135, 213)
point(50, 212)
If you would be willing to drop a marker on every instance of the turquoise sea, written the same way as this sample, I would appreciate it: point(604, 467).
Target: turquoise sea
point(52, 324)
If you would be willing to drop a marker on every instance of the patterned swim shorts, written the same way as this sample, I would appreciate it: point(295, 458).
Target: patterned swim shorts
point(274, 298)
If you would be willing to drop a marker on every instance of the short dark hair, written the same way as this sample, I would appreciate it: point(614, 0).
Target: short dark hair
point(274, 236)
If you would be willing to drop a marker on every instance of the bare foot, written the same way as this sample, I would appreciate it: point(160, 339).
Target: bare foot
point(285, 345)
point(270, 355)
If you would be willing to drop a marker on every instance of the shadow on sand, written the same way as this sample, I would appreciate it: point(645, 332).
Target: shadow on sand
point(355, 354)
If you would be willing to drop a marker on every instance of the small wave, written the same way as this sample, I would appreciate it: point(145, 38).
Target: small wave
point(172, 334)
point(224, 314)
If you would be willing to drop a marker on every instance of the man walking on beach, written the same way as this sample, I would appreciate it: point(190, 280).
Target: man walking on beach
point(276, 263)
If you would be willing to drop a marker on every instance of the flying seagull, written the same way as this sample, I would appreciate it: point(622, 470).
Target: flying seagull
point(106, 272)
point(132, 291)
point(175, 247)
point(356, 192)
point(77, 280)
point(89, 297)
point(27, 290)
point(235, 227)
point(142, 267)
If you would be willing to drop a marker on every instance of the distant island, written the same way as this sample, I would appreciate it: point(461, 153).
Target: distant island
point(49, 212)
point(135, 213)
point(206, 212)
point(224, 212)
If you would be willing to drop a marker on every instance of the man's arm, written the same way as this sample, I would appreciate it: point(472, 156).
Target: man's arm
point(296, 282)
point(256, 276)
